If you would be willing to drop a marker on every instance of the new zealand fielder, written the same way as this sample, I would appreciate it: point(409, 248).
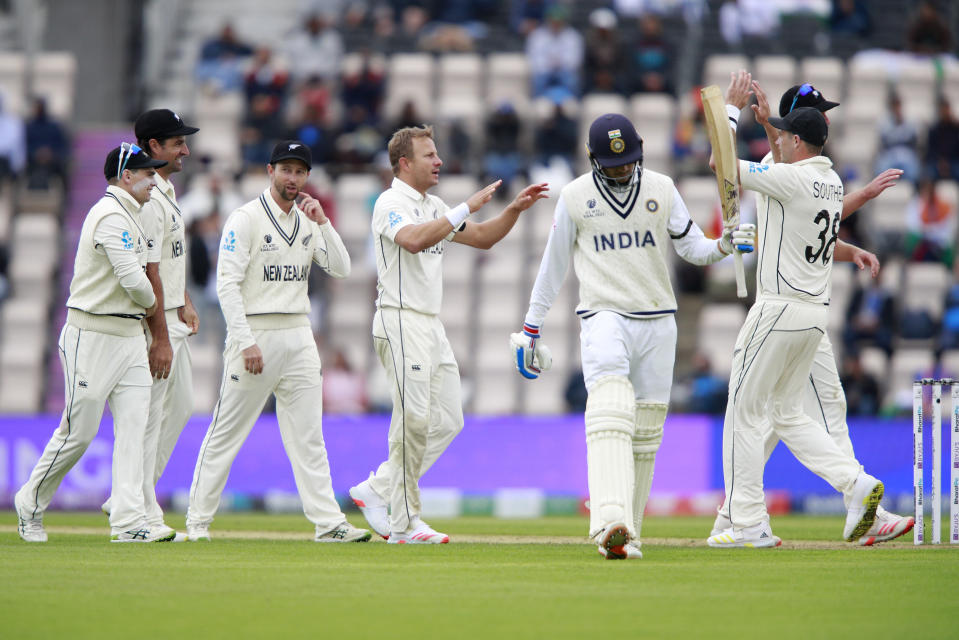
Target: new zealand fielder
point(104, 353)
point(266, 251)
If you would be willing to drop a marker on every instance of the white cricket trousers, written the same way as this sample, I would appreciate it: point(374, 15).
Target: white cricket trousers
point(771, 366)
point(171, 405)
point(643, 350)
point(427, 405)
point(97, 368)
point(291, 371)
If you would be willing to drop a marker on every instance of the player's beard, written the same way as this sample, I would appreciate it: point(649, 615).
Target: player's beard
point(285, 190)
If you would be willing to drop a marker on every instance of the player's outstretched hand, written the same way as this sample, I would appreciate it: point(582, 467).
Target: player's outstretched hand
point(253, 359)
point(476, 201)
point(313, 209)
point(529, 355)
point(883, 181)
point(863, 259)
point(525, 198)
point(741, 238)
point(761, 108)
point(740, 88)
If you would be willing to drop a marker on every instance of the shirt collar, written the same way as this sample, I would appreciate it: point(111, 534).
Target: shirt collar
point(165, 186)
point(125, 198)
point(407, 190)
point(274, 207)
point(820, 160)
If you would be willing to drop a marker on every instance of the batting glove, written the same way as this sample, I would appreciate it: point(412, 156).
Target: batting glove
point(741, 237)
point(530, 357)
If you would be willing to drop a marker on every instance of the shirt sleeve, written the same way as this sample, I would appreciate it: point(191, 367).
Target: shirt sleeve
point(690, 242)
point(778, 181)
point(552, 270)
point(330, 252)
point(389, 218)
point(151, 216)
point(234, 257)
point(108, 237)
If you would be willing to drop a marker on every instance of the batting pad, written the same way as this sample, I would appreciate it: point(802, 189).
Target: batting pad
point(650, 417)
point(609, 434)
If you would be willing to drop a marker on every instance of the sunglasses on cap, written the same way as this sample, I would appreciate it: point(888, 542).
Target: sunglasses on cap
point(127, 151)
point(804, 90)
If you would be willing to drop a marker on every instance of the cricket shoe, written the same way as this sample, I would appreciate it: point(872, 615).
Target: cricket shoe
point(373, 508)
point(198, 533)
point(422, 533)
point(106, 506)
point(886, 527)
point(863, 501)
point(613, 539)
point(30, 529)
point(758, 536)
point(163, 534)
point(632, 550)
point(343, 532)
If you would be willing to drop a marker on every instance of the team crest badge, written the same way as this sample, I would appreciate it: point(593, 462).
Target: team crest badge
point(591, 203)
point(652, 206)
point(268, 238)
point(616, 143)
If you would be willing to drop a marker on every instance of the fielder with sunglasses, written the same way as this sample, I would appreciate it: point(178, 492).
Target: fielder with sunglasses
point(104, 354)
point(823, 396)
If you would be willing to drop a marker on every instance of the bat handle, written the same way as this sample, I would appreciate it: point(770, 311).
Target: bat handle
point(740, 275)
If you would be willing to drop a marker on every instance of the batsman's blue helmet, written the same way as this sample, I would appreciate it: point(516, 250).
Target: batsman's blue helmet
point(613, 141)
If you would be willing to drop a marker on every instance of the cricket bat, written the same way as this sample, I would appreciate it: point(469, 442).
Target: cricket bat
point(724, 155)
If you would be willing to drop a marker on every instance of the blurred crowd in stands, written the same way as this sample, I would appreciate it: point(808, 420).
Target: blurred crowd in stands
point(309, 87)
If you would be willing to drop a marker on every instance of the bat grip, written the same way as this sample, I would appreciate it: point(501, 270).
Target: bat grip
point(740, 275)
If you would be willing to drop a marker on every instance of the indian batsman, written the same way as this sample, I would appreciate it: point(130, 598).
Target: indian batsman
point(615, 222)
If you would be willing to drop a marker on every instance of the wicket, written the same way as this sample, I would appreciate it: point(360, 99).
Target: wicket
point(917, 459)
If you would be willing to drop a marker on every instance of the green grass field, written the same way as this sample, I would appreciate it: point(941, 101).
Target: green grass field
point(263, 577)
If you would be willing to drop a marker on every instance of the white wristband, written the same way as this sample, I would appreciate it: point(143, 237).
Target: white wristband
point(458, 214)
point(733, 113)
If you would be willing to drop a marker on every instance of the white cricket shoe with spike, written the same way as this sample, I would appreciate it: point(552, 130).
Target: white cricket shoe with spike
point(162, 534)
point(863, 501)
point(198, 533)
point(373, 508)
point(343, 532)
point(632, 549)
point(30, 529)
point(613, 539)
point(422, 533)
point(759, 536)
point(887, 526)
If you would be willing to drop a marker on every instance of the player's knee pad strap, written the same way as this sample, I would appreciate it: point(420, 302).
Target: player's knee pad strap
point(649, 420)
point(609, 408)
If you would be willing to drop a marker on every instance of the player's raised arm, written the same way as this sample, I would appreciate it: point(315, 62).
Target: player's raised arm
point(483, 235)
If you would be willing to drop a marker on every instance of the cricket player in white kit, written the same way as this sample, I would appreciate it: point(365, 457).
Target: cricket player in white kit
point(103, 353)
point(410, 230)
point(615, 223)
point(163, 134)
point(824, 399)
point(266, 251)
point(800, 206)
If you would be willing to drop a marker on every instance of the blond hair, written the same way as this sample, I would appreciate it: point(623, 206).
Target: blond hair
point(401, 143)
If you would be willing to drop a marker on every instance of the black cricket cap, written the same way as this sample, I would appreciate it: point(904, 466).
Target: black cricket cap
point(613, 141)
point(292, 150)
point(139, 160)
point(804, 95)
point(806, 122)
point(160, 124)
